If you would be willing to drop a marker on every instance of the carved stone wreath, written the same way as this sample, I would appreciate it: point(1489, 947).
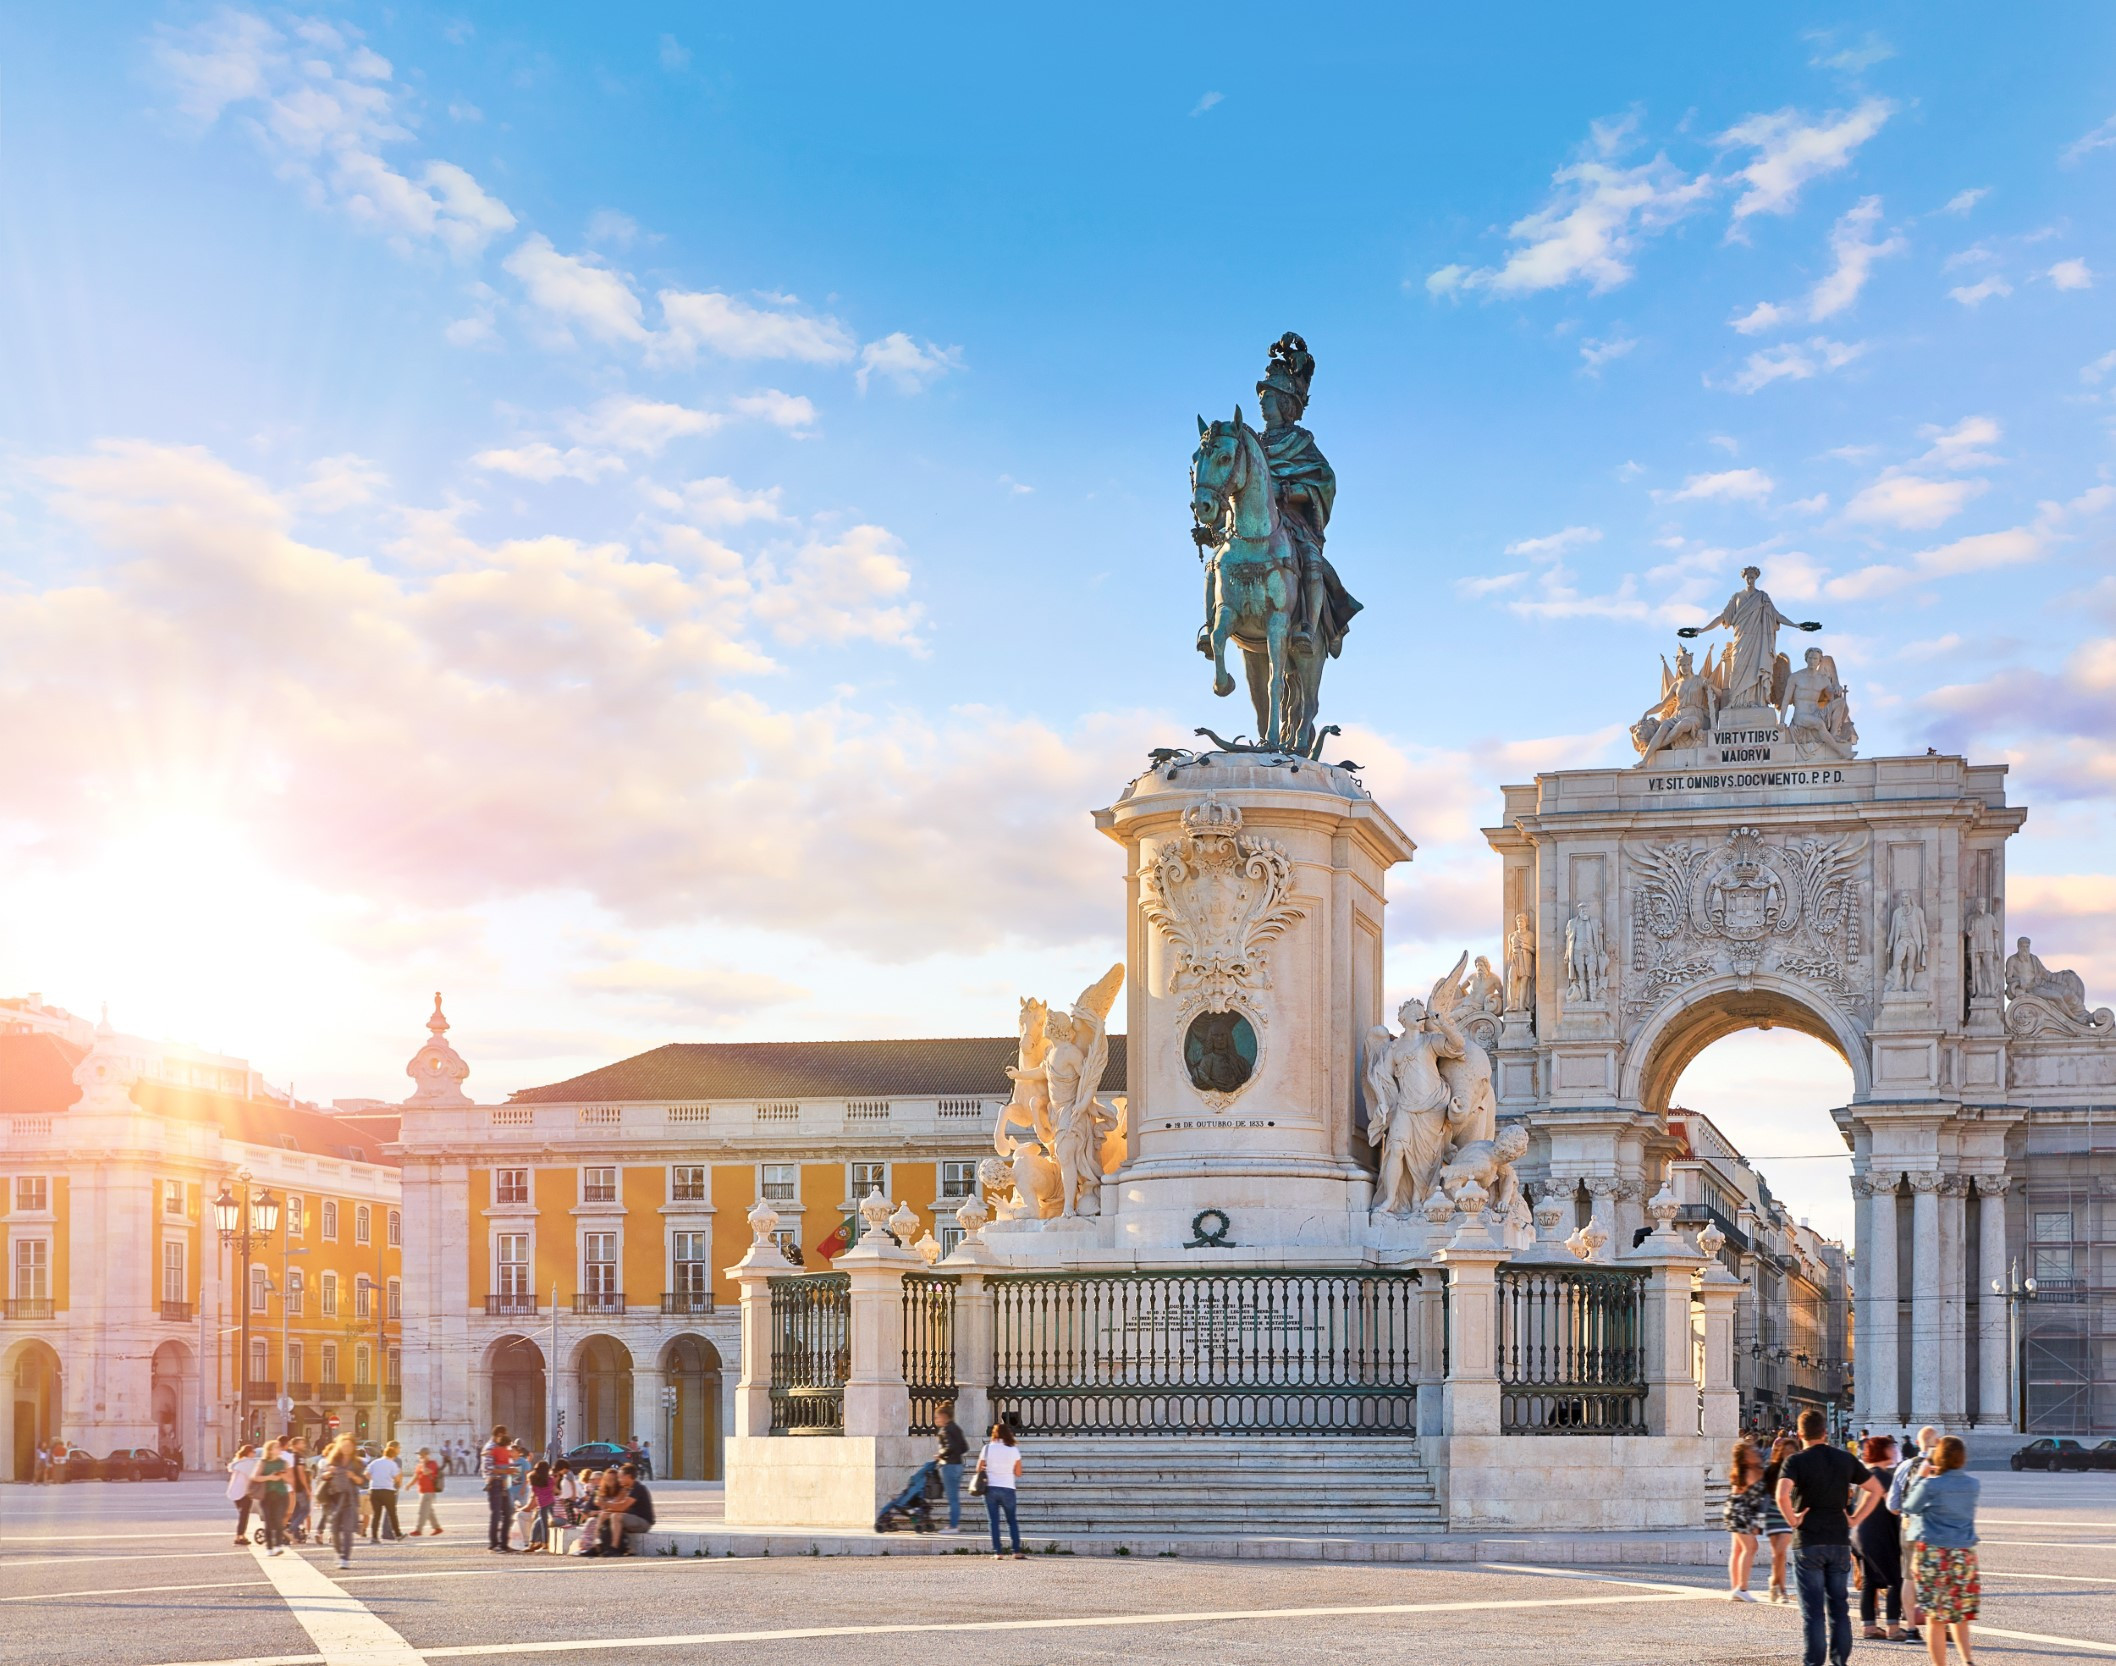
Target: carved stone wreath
point(1220, 897)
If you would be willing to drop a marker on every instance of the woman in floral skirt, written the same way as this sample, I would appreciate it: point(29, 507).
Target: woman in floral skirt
point(1939, 1519)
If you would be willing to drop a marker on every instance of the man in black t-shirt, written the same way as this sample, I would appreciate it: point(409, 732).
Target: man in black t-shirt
point(1815, 1488)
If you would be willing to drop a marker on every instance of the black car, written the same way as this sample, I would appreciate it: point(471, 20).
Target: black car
point(599, 1454)
point(2102, 1456)
point(141, 1463)
point(80, 1465)
point(2048, 1453)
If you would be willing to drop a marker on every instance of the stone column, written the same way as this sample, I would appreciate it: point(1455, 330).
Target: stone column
point(1954, 1351)
point(877, 1400)
point(1470, 1403)
point(752, 1275)
point(1994, 1346)
point(1880, 1393)
point(1718, 1290)
point(1925, 1296)
point(1669, 1345)
point(971, 1262)
point(1603, 1191)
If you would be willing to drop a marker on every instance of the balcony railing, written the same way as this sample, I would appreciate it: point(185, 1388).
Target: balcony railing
point(29, 1307)
point(256, 1390)
point(696, 1303)
point(600, 1301)
point(510, 1307)
point(178, 1313)
point(328, 1392)
point(363, 1394)
point(301, 1391)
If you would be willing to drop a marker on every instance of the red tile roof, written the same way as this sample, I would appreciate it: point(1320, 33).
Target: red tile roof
point(36, 1073)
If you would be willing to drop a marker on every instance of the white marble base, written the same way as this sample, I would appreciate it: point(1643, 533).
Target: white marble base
point(1587, 1483)
point(824, 1481)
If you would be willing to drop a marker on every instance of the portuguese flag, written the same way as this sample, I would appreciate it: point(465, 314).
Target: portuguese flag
point(842, 1239)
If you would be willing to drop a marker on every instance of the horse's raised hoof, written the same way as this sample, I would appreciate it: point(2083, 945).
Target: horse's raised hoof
point(1223, 684)
point(1205, 640)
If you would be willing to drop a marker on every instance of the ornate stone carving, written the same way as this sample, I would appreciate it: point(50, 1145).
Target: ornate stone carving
point(875, 1211)
point(1429, 1093)
point(1743, 906)
point(1906, 943)
point(1923, 1180)
point(903, 1223)
point(1490, 1164)
point(1992, 1185)
point(1863, 1185)
point(1953, 1185)
point(1753, 673)
point(1981, 952)
point(1816, 716)
point(437, 1070)
point(2040, 1001)
point(1053, 1130)
point(927, 1248)
point(1586, 955)
point(1689, 700)
point(1608, 1186)
point(1220, 897)
point(1711, 1240)
point(1521, 966)
point(763, 1222)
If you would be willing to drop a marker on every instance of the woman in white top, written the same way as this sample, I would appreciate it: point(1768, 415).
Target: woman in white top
point(1000, 1465)
point(242, 1470)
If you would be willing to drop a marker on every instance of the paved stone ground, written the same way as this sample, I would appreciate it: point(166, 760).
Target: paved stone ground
point(145, 1575)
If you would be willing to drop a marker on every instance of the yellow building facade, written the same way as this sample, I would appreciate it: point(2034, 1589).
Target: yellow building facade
point(127, 1320)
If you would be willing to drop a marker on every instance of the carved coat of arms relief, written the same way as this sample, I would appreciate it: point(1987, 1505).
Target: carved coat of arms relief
point(1743, 905)
point(1219, 897)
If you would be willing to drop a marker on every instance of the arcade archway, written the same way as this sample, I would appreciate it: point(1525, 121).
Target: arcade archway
point(603, 1367)
point(691, 1366)
point(30, 1379)
point(175, 1397)
point(515, 1367)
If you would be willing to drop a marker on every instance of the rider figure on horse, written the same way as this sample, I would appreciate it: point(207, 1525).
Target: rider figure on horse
point(1305, 486)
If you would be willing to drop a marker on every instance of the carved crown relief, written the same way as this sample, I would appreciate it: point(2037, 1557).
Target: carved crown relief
point(1220, 897)
point(1746, 905)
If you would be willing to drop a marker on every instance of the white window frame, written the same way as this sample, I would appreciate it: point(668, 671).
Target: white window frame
point(678, 1173)
point(330, 1220)
point(260, 1289)
point(504, 1180)
point(30, 1270)
point(297, 1215)
point(363, 1362)
point(363, 1224)
point(605, 1285)
point(768, 1177)
point(589, 1186)
point(176, 1260)
point(173, 1199)
point(503, 1267)
point(701, 1245)
point(260, 1360)
point(297, 1356)
point(968, 1166)
point(297, 1291)
point(394, 1299)
point(328, 1365)
point(878, 1179)
point(32, 1202)
point(396, 1229)
point(363, 1296)
point(329, 1295)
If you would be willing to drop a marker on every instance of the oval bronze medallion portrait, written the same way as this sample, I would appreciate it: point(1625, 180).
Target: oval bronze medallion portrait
point(1219, 1051)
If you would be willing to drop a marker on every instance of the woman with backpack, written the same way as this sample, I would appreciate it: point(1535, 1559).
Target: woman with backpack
point(428, 1478)
point(339, 1488)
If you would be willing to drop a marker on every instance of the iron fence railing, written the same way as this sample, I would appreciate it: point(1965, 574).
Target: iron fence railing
point(1321, 1352)
point(811, 1352)
point(694, 1302)
point(929, 1346)
point(1571, 1351)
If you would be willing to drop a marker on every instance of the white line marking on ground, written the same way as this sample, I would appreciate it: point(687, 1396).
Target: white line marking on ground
point(463, 1651)
point(111, 1538)
point(136, 1590)
point(2065, 1578)
point(350, 1579)
point(1979, 1629)
point(2054, 1544)
point(343, 1628)
point(93, 1561)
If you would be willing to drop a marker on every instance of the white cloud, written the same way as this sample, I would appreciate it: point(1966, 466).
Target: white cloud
point(543, 462)
point(322, 108)
point(611, 229)
point(716, 501)
point(1964, 446)
point(1590, 228)
point(1980, 552)
point(1727, 486)
point(1206, 103)
point(1816, 505)
point(2091, 374)
point(791, 411)
point(1794, 361)
point(832, 590)
point(2071, 274)
point(723, 324)
point(1976, 294)
point(1963, 201)
point(2100, 138)
point(1911, 501)
point(712, 996)
point(577, 290)
point(337, 483)
point(1762, 316)
point(1596, 353)
point(1475, 589)
point(674, 55)
point(1556, 543)
point(1852, 60)
point(1792, 150)
point(1855, 255)
point(475, 328)
point(907, 363)
point(624, 422)
point(1629, 470)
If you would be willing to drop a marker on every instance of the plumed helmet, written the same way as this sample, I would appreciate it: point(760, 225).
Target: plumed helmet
point(1291, 369)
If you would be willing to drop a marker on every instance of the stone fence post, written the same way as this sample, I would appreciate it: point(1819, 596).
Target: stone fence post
point(1718, 1289)
point(877, 1400)
point(972, 1262)
point(1668, 1344)
point(760, 1264)
point(1470, 1402)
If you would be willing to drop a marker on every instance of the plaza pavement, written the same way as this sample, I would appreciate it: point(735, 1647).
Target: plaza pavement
point(145, 1575)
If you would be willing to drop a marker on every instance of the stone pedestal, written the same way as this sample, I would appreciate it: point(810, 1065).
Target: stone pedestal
point(752, 1275)
point(1254, 951)
point(877, 1402)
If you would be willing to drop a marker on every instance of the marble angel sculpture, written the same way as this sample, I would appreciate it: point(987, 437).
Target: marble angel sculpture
point(1054, 1130)
point(1423, 1095)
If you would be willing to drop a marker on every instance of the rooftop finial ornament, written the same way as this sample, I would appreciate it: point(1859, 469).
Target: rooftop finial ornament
point(1261, 506)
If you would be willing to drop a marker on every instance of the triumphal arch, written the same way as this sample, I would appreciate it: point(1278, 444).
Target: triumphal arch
point(1751, 870)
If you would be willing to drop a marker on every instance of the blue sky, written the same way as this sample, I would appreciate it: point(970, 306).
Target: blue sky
point(663, 520)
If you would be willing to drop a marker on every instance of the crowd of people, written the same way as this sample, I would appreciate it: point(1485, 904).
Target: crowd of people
point(1833, 1518)
point(343, 1493)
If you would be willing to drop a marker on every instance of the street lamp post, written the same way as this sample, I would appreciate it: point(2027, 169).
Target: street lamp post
point(2015, 1292)
point(246, 1224)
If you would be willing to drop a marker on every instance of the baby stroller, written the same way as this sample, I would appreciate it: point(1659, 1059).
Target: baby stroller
point(912, 1508)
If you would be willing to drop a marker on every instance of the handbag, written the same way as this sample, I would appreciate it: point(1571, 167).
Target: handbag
point(977, 1485)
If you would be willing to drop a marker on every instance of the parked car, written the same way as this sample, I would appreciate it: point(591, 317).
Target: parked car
point(81, 1465)
point(598, 1454)
point(2049, 1453)
point(2102, 1456)
point(141, 1463)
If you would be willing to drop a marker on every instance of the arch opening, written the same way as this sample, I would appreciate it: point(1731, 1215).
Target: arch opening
point(691, 1366)
point(603, 1368)
point(519, 1389)
point(31, 1381)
